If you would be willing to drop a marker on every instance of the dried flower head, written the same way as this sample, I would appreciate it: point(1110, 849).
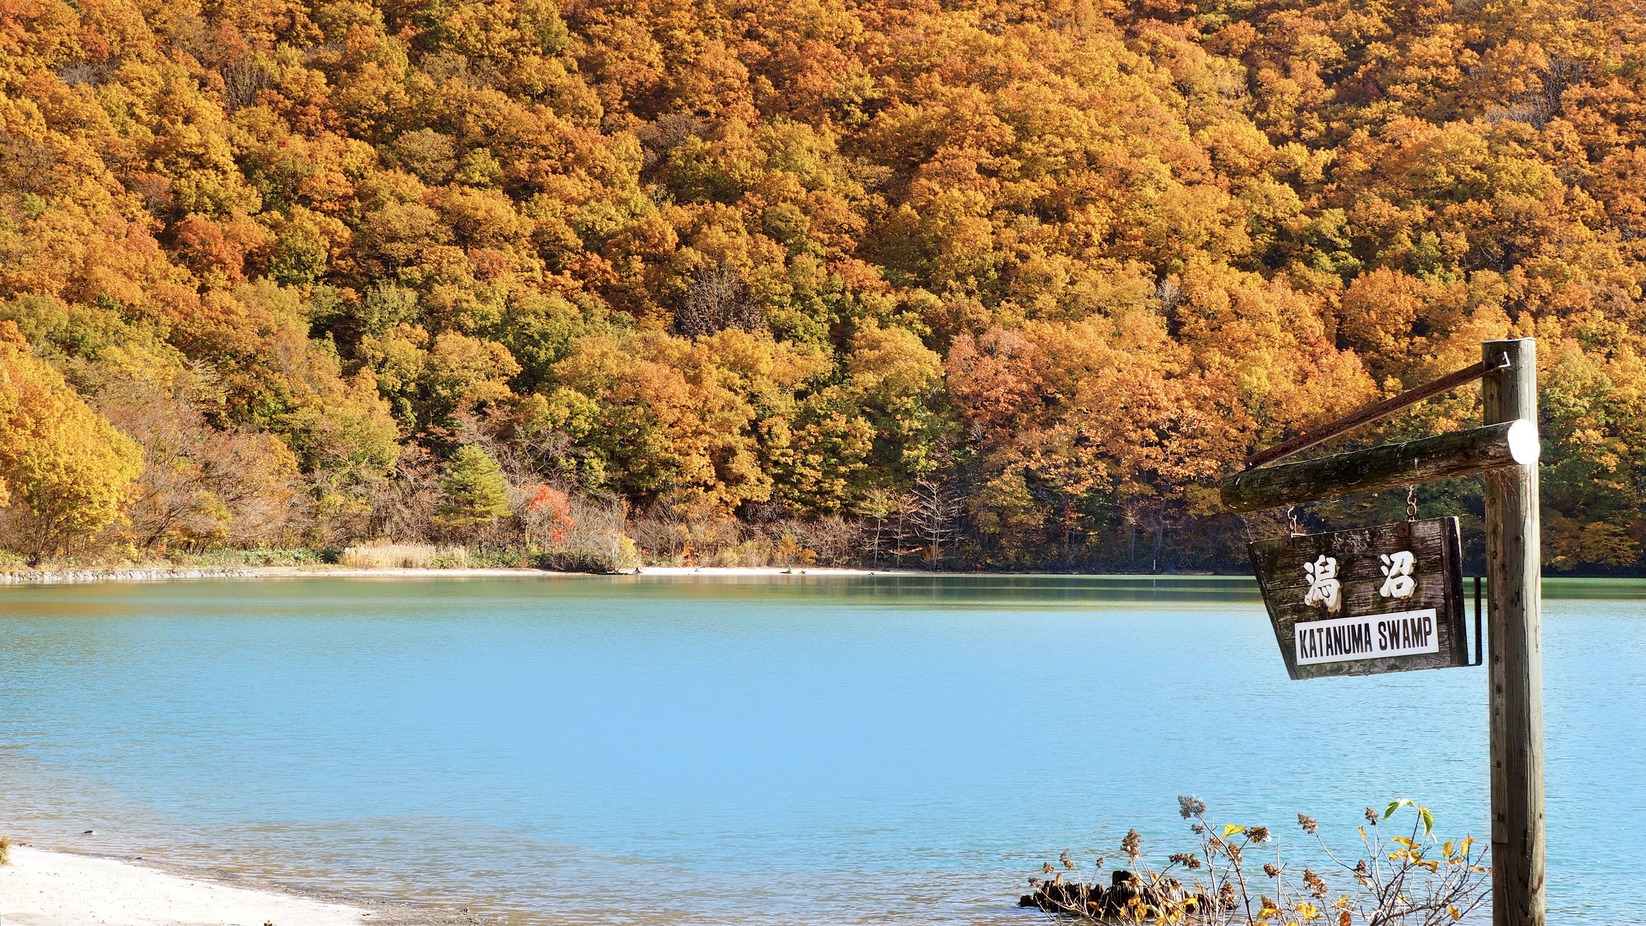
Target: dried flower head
point(1226, 894)
point(1133, 844)
point(1047, 868)
point(1190, 806)
point(1187, 860)
point(1270, 869)
point(1315, 883)
point(1371, 816)
point(1258, 834)
point(1309, 824)
point(1064, 858)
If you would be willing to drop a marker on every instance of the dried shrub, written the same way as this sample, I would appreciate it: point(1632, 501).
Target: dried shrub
point(1237, 876)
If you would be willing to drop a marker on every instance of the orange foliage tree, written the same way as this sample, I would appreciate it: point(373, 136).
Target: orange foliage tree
point(768, 267)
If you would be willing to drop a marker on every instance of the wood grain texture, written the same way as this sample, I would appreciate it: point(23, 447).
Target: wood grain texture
point(1515, 659)
point(1438, 548)
point(1445, 456)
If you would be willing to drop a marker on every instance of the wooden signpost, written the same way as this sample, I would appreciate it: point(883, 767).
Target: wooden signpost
point(1341, 606)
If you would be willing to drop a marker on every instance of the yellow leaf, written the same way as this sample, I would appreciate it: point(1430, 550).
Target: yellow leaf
point(1229, 829)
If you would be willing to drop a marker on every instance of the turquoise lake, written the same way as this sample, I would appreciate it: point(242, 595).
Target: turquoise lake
point(807, 750)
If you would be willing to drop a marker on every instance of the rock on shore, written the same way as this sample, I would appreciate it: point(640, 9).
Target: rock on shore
point(150, 574)
point(1095, 902)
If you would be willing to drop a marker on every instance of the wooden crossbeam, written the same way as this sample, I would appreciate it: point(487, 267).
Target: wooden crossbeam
point(1378, 410)
point(1445, 456)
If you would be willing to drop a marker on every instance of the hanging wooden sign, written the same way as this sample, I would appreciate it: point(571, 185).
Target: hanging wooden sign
point(1381, 599)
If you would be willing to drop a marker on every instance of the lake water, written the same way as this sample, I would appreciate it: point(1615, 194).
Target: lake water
point(796, 750)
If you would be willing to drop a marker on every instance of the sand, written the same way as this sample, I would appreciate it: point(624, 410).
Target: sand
point(42, 888)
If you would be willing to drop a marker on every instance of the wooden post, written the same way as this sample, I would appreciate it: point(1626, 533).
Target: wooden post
point(1515, 615)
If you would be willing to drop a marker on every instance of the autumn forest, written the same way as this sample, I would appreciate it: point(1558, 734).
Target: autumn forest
point(961, 284)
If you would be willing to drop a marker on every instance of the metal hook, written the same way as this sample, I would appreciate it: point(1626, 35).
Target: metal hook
point(1291, 521)
point(1480, 655)
point(1411, 503)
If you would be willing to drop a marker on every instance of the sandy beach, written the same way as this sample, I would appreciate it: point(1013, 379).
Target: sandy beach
point(46, 888)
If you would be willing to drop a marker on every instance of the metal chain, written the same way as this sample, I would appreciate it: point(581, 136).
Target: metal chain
point(1411, 503)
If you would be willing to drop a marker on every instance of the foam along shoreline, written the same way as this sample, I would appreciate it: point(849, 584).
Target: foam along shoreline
point(46, 888)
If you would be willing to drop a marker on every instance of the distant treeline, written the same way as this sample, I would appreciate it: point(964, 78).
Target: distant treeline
point(986, 284)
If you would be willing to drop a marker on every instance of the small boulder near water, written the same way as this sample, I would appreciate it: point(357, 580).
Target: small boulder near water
point(1095, 902)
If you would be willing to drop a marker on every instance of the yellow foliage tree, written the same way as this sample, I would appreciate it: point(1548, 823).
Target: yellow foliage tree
point(70, 468)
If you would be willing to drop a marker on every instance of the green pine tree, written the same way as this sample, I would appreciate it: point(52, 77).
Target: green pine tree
point(474, 492)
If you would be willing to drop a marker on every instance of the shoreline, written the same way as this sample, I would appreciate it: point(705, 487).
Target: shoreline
point(59, 887)
point(183, 573)
point(275, 572)
point(146, 574)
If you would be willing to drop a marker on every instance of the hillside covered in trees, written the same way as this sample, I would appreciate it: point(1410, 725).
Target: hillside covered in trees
point(1011, 283)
